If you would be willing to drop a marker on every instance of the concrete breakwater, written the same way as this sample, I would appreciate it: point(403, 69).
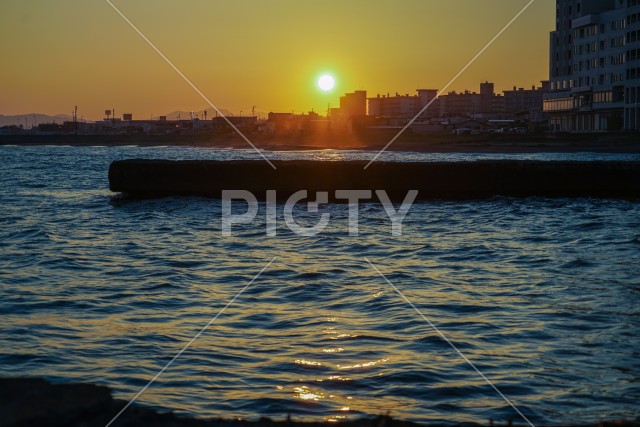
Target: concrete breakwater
point(433, 180)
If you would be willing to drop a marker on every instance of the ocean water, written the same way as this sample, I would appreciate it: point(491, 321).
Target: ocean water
point(541, 295)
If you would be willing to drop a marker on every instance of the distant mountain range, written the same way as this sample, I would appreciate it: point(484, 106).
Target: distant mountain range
point(29, 120)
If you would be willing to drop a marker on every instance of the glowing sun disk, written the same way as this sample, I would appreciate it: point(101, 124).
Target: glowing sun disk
point(326, 82)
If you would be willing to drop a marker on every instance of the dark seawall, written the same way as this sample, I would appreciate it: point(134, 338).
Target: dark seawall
point(438, 180)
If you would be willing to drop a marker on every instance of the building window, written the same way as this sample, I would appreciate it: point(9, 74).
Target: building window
point(561, 104)
point(602, 97)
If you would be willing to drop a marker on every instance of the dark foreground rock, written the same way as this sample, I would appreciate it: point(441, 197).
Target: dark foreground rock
point(36, 402)
point(437, 180)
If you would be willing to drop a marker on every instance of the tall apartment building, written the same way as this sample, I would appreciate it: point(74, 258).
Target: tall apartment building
point(594, 66)
point(632, 86)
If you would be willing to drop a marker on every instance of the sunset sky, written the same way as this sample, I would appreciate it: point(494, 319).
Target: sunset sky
point(239, 53)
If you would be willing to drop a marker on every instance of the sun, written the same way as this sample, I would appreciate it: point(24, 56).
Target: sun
point(326, 82)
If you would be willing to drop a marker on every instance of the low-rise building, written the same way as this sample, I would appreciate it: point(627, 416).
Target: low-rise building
point(405, 106)
point(526, 104)
point(353, 104)
point(486, 104)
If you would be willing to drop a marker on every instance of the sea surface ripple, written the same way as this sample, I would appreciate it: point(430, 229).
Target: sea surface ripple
point(542, 295)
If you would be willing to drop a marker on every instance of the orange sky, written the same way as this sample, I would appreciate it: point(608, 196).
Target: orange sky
point(241, 53)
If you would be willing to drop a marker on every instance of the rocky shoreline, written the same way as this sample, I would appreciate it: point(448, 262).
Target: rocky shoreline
point(37, 402)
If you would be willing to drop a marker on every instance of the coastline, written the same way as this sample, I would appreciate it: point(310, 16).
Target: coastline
point(533, 143)
point(38, 402)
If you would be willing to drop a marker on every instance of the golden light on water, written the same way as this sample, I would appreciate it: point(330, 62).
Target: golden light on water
point(338, 378)
point(362, 365)
point(336, 335)
point(307, 362)
point(305, 393)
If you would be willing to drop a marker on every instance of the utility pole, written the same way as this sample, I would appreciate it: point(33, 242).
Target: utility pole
point(75, 120)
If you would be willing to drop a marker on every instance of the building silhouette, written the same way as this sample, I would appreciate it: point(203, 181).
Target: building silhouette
point(594, 67)
point(526, 104)
point(519, 104)
point(405, 106)
point(472, 104)
point(353, 104)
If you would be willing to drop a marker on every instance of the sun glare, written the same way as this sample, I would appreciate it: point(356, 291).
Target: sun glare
point(326, 82)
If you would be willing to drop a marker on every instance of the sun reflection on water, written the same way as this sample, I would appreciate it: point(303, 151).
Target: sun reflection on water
point(305, 393)
point(333, 350)
point(307, 362)
point(362, 365)
point(338, 378)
